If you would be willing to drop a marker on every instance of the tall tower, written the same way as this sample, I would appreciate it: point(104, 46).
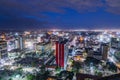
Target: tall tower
point(19, 42)
point(60, 54)
point(104, 51)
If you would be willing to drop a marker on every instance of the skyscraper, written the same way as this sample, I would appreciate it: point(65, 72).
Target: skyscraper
point(104, 50)
point(60, 54)
point(19, 42)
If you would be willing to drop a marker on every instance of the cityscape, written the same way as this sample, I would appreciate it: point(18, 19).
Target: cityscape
point(59, 39)
point(60, 55)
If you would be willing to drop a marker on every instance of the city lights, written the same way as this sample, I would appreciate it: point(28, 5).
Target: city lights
point(59, 39)
point(78, 52)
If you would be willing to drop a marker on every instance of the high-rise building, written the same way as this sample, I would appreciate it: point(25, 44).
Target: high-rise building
point(104, 51)
point(60, 54)
point(115, 43)
point(3, 49)
point(10, 44)
point(19, 42)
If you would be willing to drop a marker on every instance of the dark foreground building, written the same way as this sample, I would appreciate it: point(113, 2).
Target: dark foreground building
point(80, 76)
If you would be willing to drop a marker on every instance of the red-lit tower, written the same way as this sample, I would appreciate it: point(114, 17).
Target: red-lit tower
point(60, 54)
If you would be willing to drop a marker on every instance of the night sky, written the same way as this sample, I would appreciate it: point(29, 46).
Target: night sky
point(59, 14)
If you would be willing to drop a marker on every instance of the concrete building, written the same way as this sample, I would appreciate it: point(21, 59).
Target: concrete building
point(3, 49)
point(115, 43)
point(14, 53)
point(19, 42)
point(104, 51)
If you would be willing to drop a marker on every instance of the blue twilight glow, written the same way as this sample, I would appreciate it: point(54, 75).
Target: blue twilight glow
point(59, 14)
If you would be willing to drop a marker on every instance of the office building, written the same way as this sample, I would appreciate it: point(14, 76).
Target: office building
point(3, 49)
point(19, 42)
point(104, 51)
point(60, 54)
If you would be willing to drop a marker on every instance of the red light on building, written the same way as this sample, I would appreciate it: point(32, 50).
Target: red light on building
point(60, 54)
point(57, 52)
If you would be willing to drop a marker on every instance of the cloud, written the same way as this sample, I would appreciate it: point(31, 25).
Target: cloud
point(29, 12)
point(16, 12)
point(21, 23)
point(14, 19)
point(34, 7)
point(31, 6)
point(113, 6)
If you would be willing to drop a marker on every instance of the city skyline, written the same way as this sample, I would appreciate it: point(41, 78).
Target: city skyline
point(60, 14)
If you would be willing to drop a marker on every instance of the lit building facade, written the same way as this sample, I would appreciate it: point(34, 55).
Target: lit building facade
point(60, 54)
point(19, 43)
point(104, 51)
point(3, 49)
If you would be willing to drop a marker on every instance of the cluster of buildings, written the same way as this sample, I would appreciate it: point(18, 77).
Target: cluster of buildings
point(62, 48)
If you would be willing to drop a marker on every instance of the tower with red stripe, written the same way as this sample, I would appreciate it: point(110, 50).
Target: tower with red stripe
point(60, 54)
